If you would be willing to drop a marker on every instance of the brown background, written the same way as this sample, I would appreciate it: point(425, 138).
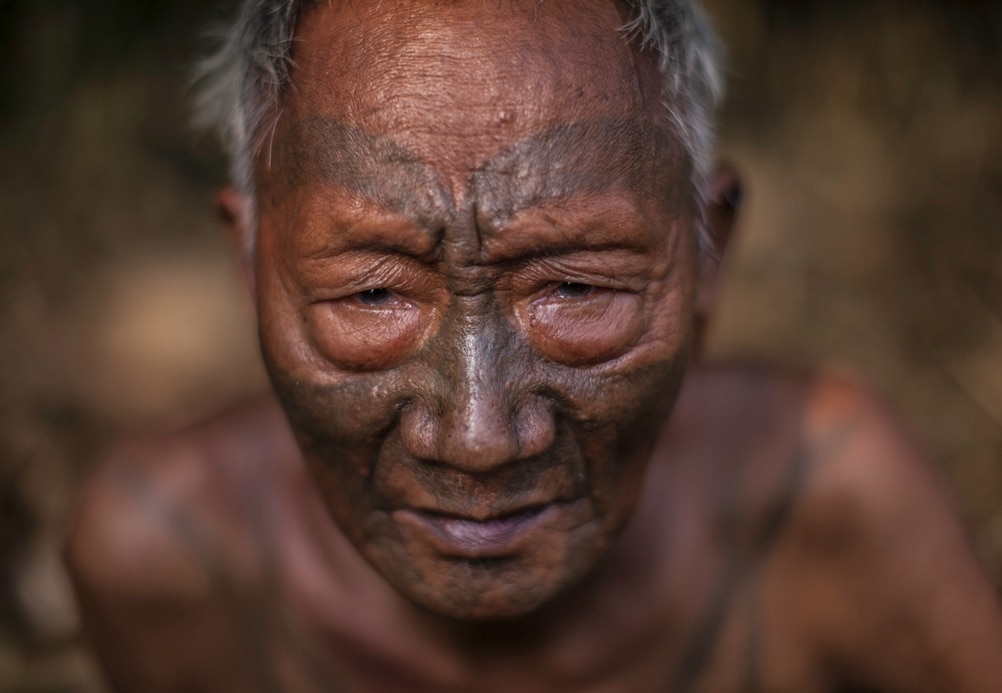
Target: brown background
point(869, 134)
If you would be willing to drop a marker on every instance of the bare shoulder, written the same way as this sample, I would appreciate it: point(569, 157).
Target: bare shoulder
point(868, 486)
point(160, 549)
point(874, 567)
point(149, 520)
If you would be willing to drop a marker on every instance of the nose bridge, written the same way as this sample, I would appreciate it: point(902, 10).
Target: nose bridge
point(477, 413)
point(478, 428)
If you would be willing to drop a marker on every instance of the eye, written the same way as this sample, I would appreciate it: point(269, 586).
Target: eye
point(574, 290)
point(375, 297)
point(580, 324)
point(368, 330)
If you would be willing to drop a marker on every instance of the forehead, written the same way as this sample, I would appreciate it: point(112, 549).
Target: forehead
point(457, 82)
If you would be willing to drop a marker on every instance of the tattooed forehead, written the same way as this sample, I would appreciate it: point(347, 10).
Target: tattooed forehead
point(568, 160)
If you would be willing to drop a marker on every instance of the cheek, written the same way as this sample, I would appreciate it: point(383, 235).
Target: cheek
point(581, 333)
point(365, 339)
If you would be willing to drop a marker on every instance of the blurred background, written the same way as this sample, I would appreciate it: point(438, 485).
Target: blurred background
point(870, 136)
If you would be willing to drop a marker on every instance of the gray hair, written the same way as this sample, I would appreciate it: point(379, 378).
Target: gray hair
point(242, 81)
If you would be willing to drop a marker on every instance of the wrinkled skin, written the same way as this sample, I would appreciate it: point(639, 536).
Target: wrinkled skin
point(475, 302)
point(478, 290)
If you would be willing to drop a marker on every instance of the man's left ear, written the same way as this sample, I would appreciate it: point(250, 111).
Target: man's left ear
point(720, 203)
point(234, 210)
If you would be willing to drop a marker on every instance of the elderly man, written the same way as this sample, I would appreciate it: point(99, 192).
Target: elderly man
point(482, 239)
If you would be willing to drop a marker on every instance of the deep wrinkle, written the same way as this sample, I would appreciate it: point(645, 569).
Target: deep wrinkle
point(502, 394)
point(479, 430)
point(454, 489)
point(373, 167)
point(582, 158)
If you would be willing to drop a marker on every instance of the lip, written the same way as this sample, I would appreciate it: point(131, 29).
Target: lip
point(464, 537)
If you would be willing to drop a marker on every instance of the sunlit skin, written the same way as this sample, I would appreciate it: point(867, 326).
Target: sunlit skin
point(492, 336)
point(478, 289)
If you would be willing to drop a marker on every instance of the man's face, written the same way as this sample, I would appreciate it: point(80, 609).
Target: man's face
point(475, 276)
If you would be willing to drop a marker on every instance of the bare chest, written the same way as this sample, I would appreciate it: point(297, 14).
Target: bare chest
point(723, 642)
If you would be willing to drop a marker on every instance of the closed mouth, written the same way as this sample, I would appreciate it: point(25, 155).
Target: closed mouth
point(486, 532)
point(465, 537)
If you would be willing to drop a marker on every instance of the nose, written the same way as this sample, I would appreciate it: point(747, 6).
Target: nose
point(481, 414)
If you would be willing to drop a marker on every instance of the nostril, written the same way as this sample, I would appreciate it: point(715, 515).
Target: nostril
point(480, 434)
point(418, 432)
point(473, 441)
point(536, 428)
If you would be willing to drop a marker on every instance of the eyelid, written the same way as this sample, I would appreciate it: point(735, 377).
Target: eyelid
point(544, 282)
point(346, 276)
point(619, 271)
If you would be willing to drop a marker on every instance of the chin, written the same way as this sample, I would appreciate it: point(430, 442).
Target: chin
point(489, 593)
point(494, 589)
point(492, 585)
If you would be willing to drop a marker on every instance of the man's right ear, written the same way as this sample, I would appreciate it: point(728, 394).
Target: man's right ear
point(719, 206)
point(234, 210)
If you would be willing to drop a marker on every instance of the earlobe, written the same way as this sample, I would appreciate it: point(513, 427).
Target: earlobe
point(234, 210)
point(720, 202)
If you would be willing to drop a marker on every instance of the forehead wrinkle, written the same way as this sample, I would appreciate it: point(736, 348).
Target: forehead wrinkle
point(580, 158)
point(323, 149)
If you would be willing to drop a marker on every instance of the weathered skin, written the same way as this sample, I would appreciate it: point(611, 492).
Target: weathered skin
point(477, 283)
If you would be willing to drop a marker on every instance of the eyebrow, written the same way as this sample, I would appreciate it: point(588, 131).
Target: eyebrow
point(328, 149)
point(584, 157)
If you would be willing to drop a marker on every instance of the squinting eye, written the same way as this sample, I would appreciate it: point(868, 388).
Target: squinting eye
point(375, 297)
point(581, 324)
point(574, 290)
